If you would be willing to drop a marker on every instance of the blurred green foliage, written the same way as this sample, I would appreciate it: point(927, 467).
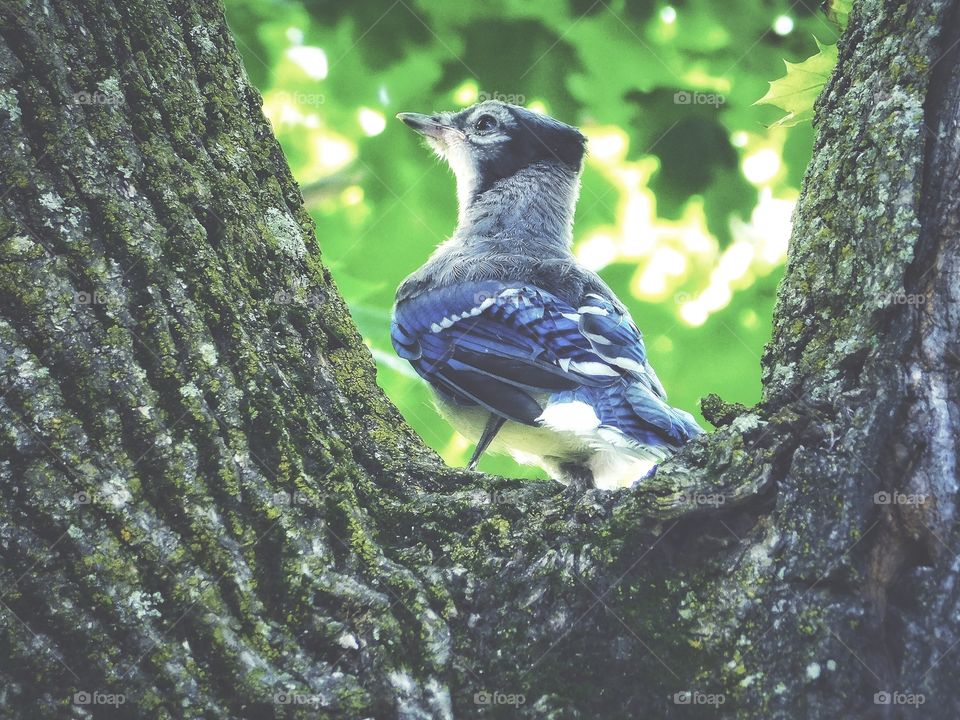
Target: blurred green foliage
point(688, 188)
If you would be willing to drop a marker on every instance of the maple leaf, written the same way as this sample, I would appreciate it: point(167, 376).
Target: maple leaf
point(796, 91)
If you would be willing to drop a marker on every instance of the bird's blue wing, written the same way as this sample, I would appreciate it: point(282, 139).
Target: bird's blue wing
point(514, 348)
point(638, 408)
point(614, 337)
point(499, 346)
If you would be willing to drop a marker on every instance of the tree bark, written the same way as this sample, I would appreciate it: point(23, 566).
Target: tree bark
point(210, 510)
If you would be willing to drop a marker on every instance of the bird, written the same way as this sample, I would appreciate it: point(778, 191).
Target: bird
point(529, 352)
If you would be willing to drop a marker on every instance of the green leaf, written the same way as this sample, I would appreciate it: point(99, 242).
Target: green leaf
point(839, 12)
point(796, 91)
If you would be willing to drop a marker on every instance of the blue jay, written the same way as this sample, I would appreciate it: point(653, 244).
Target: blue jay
point(528, 351)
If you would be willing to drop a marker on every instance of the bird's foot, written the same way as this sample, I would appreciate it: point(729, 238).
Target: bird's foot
point(577, 477)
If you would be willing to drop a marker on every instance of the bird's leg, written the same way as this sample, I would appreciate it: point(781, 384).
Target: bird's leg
point(577, 477)
point(494, 423)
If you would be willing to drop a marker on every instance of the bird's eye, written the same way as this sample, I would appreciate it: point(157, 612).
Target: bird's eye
point(485, 123)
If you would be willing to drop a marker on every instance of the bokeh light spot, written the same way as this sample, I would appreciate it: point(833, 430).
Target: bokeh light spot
point(762, 166)
point(312, 60)
point(783, 25)
point(466, 94)
point(372, 122)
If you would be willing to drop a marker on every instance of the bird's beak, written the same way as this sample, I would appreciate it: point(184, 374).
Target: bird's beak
point(428, 126)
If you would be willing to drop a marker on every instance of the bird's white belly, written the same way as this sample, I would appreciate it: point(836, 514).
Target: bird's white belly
point(565, 435)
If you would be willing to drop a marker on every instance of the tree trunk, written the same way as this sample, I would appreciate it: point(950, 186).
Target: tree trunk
point(210, 510)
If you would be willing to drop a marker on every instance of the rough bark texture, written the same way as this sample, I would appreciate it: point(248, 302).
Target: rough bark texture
point(210, 509)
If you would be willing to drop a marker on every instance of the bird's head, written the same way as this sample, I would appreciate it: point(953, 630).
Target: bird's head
point(492, 140)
